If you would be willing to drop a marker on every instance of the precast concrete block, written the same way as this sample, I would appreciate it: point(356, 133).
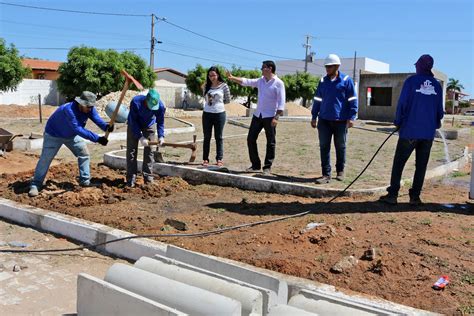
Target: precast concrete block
point(183, 297)
point(230, 269)
point(325, 304)
point(286, 310)
point(270, 298)
point(97, 297)
point(250, 299)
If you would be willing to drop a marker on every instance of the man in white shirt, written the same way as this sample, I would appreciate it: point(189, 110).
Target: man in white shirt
point(270, 105)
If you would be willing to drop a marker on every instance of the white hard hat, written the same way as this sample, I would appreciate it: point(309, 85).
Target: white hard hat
point(332, 59)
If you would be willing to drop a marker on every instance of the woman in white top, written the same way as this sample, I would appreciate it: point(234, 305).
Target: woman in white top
point(216, 94)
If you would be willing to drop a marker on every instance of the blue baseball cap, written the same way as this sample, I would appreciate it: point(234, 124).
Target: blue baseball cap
point(153, 100)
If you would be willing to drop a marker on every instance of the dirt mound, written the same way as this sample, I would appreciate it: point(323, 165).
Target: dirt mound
point(235, 109)
point(25, 111)
point(297, 110)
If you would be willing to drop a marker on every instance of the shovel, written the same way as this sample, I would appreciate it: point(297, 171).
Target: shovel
point(159, 157)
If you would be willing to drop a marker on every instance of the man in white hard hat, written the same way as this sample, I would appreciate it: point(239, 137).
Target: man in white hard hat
point(334, 111)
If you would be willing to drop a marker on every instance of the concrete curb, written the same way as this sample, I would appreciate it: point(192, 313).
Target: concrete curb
point(112, 160)
point(89, 232)
point(32, 144)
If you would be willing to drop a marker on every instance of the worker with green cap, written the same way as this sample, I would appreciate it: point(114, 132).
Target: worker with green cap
point(144, 112)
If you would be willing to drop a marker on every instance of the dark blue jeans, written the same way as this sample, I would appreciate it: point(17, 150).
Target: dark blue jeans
point(210, 120)
point(404, 149)
point(326, 130)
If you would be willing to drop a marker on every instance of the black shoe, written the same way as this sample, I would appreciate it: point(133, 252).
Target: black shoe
point(252, 169)
point(323, 180)
point(415, 201)
point(389, 199)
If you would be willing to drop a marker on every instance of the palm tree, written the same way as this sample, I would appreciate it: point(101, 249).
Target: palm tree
point(454, 84)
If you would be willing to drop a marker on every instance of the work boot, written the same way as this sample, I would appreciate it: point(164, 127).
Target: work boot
point(323, 180)
point(389, 199)
point(340, 176)
point(267, 171)
point(149, 180)
point(33, 191)
point(415, 201)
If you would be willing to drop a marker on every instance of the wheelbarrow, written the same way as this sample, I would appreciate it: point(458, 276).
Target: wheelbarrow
point(6, 140)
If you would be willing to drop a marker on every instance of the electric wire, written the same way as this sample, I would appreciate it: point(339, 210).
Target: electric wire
point(211, 232)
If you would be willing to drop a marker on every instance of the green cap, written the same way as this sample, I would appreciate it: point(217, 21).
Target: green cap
point(153, 100)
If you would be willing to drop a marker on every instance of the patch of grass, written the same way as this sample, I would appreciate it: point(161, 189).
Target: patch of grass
point(219, 210)
point(468, 278)
point(457, 174)
point(426, 221)
point(466, 309)
point(467, 229)
point(321, 258)
point(392, 220)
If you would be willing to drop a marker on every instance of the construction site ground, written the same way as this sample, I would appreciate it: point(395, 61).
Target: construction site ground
point(414, 246)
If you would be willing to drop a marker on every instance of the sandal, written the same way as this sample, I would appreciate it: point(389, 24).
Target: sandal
point(220, 163)
point(205, 163)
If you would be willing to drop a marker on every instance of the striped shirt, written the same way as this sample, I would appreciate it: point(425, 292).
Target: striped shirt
point(216, 98)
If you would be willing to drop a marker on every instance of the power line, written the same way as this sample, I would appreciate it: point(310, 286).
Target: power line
point(73, 11)
point(64, 48)
point(220, 42)
point(196, 57)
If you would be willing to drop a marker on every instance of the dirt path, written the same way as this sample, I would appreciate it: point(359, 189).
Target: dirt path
point(414, 245)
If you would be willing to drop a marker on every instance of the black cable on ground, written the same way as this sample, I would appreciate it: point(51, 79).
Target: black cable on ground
point(211, 232)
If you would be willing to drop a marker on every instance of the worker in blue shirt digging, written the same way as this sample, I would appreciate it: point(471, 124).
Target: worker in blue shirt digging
point(67, 127)
point(144, 112)
point(419, 114)
point(334, 111)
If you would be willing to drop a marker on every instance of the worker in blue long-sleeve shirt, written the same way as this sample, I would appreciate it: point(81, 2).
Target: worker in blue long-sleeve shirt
point(334, 111)
point(144, 112)
point(419, 114)
point(67, 126)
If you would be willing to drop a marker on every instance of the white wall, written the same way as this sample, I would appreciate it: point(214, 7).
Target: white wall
point(171, 77)
point(28, 90)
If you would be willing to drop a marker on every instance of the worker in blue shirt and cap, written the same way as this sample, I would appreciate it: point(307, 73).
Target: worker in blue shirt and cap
point(334, 111)
point(144, 112)
point(419, 114)
point(67, 127)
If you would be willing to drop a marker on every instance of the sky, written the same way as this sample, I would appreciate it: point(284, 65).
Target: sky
point(246, 32)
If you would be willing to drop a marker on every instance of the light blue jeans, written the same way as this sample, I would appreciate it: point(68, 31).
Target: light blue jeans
point(51, 146)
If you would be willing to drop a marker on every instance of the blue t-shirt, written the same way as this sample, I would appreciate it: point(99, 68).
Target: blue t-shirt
point(420, 107)
point(141, 117)
point(68, 122)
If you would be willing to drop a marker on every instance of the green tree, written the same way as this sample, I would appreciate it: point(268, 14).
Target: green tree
point(237, 90)
point(98, 71)
point(11, 70)
point(196, 79)
point(454, 84)
point(300, 85)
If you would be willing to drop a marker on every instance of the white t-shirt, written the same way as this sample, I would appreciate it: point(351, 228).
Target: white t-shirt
point(216, 98)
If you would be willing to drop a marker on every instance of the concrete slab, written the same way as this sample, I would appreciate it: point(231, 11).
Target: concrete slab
point(98, 297)
point(228, 268)
point(285, 310)
point(269, 297)
point(186, 298)
point(250, 299)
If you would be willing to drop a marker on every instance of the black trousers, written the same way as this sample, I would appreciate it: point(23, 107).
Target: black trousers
point(259, 123)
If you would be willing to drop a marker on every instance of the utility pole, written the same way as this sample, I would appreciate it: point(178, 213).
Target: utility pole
point(354, 72)
point(152, 43)
point(307, 46)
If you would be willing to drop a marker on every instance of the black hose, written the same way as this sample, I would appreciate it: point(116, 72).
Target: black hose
point(211, 232)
